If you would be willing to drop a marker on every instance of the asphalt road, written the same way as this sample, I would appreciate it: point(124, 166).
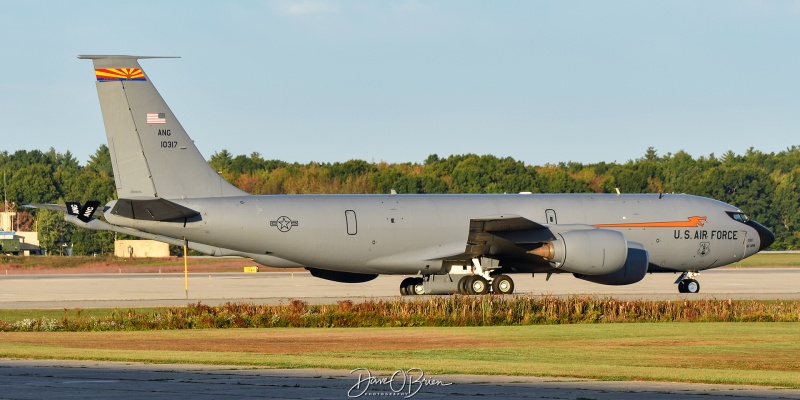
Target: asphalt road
point(23, 379)
point(148, 290)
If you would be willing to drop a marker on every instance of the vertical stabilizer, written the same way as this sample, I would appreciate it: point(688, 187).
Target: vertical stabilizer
point(151, 154)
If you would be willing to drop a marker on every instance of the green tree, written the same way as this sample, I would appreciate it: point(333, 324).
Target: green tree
point(221, 160)
point(33, 183)
point(54, 232)
point(787, 211)
point(100, 162)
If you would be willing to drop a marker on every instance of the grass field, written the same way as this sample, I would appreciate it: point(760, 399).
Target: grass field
point(770, 260)
point(732, 353)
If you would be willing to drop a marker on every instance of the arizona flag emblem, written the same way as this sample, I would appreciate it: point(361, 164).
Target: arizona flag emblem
point(119, 74)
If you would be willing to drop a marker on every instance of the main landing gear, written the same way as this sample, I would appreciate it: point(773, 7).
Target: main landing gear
point(461, 284)
point(411, 286)
point(687, 283)
point(481, 278)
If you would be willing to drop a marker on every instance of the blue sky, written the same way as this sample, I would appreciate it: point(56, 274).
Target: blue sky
point(395, 81)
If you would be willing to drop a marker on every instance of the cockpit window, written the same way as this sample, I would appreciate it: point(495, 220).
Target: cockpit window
point(741, 217)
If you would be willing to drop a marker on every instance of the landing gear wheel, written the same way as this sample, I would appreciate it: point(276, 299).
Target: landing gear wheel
point(502, 284)
point(692, 286)
point(689, 286)
point(404, 286)
point(463, 285)
point(478, 285)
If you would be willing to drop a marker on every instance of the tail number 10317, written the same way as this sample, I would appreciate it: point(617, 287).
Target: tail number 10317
point(169, 144)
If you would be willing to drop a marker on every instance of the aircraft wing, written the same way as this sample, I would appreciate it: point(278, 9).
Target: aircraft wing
point(511, 235)
point(506, 233)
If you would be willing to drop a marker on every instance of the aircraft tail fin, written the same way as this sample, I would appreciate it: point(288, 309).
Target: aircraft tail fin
point(151, 153)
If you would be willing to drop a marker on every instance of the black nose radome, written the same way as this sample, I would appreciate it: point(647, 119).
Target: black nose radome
point(765, 235)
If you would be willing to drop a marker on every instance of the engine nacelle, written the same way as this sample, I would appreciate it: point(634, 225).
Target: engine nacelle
point(634, 270)
point(589, 251)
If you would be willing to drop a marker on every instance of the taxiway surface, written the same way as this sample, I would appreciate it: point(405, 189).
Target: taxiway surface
point(150, 290)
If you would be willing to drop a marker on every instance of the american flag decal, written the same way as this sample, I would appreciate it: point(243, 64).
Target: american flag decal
point(156, 118)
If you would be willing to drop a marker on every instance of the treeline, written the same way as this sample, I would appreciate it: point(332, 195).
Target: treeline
point(50, 177)
point(764, 185)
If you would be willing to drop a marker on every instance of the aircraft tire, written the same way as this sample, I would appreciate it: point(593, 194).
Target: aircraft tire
point(692, 286)
point(502, 284)
point(682, 287)
point(405, 285)
point(478, 285)
point(463, 285)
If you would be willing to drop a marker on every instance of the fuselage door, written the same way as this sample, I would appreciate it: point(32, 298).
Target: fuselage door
point(350, 219)
point(743, 233)
point(550, 216)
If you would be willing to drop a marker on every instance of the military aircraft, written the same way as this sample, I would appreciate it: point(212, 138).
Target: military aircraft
point(465, 244)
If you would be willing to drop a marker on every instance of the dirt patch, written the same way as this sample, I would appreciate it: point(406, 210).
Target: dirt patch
point(278, 341)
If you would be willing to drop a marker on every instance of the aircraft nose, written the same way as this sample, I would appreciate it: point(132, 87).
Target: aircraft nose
point(765, 235)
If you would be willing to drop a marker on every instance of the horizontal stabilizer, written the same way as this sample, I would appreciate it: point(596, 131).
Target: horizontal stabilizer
point(51, 207)
point(83, 213)
point(152, 210)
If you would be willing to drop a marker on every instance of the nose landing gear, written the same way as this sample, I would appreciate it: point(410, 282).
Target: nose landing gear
point(687, 283)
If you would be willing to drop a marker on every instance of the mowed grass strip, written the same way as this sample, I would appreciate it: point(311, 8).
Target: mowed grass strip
point(730, 353)
point(766, 260)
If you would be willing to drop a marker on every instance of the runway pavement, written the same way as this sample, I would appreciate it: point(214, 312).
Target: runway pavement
point(24, 379)
point(149, 290)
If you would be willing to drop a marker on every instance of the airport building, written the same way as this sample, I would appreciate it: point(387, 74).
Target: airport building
point(140, 248)
point(13, 242)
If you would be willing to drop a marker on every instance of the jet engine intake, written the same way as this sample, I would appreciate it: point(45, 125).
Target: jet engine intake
point(634, 270)
point(588, 252)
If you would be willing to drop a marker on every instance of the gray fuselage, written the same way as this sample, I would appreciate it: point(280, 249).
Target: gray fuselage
point(410, 234)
